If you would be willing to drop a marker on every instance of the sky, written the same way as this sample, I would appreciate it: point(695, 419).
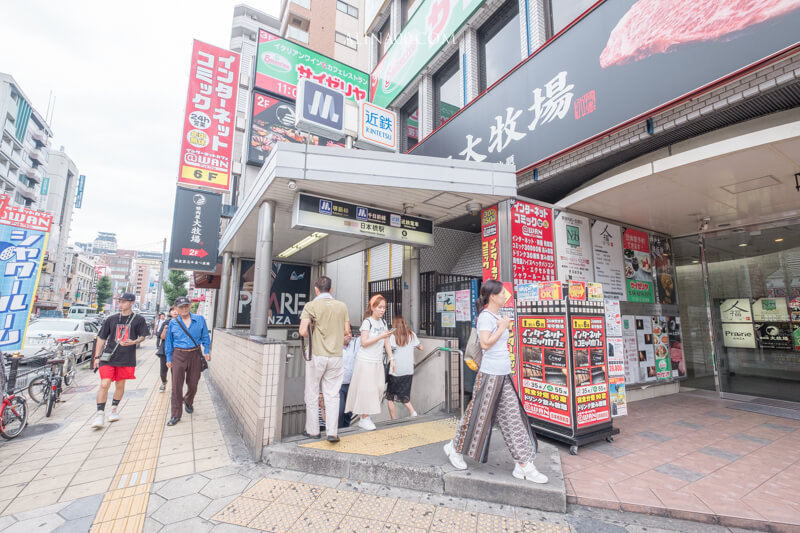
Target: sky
point(119, 74)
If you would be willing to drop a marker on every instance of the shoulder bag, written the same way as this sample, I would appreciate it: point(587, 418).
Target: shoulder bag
point(473, 353)
point(203, 362)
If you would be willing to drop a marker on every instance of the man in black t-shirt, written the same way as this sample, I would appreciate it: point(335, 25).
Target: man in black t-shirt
point(115, 355)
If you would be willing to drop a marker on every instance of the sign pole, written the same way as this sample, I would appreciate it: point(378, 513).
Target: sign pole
point(161, 276)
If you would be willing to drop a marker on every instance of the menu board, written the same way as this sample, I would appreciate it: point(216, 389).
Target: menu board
point(490, 250)
point(609, 268)
point(661, 348)
point(532, 247)
point(574, 248)
point(545, 377)
point(770, 310)
point(589, 357)
point(638, 266)
point(774, 335)
point(664, 270)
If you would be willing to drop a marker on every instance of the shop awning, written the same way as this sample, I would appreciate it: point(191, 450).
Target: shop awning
point(426, 187)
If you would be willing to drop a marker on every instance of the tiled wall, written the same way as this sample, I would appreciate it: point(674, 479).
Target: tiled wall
point(247, 375)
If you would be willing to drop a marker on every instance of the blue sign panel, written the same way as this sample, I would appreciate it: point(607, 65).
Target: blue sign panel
point(320, 109)
point(79, 195)
point(45, 186)
point(325, 207)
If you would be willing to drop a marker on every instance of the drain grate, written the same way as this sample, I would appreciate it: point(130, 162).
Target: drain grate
point(783, 404)
point(780, 412)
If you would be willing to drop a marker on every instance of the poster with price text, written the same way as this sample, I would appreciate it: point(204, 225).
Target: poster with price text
point(591, 386)
point(532, 247)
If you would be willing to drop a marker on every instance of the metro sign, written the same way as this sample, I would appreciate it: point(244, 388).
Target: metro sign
point(320, 109)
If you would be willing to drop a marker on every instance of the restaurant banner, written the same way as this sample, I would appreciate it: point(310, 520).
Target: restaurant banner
point(661, 348)
point(544, 370)
point(666, 290)
point(490, 247)
point(591, 386)
point(638, 266)
point(280, 63)
point(210, 117)
point(195, 230)
point(574, 248)
point(735, 310)
point(620, 63)
point(609, 268)
point(23, 241)
point(291, 289)
point(774, 335)
point(433, 24)
point(532, 245)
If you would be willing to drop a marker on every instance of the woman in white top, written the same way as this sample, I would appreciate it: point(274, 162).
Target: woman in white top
point(398, 387)
point(368, 383)
point(494, 397)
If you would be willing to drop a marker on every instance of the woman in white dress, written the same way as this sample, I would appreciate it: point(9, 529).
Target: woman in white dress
point(368, 383)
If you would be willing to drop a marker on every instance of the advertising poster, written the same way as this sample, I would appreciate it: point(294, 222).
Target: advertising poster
point(735, 310)
point(616, 392)
point(550, 290)
point(796, 335)
point(616, 356)
point(591, 385)
point(594, 291)
point(644, 343)
point(509, 309)
point(794, 308)
point(532, 246)
point(774, 335)
point(449, 301)
point(208, 124)
point(440, 298)
point(577, 290)
point(528, 291)
point(661, 348)
point(676, 355)
point(490, 249)
point(631, 348)
point(545, 388)
point(613, 318)
point(738, 336)
point(291, 287)
point(609, 268)
point(770, 310)
point(666, 291)
point(449, 319)
point(463, 313)
point(638, 266)
point(195, 230)
point(280, 63)
point(574, 248)
point(23, 241)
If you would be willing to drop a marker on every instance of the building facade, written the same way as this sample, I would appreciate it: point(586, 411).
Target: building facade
point(81, 278)
point(105, 243)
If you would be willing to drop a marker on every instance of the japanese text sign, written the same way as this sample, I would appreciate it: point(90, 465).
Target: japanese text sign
point(490, 249)
point(195, 230)
point(532, 248)
point(638, 264)
point(23, 240)
point(210, 116)
point(281, 63)
point(377, 127)
point(591, 386)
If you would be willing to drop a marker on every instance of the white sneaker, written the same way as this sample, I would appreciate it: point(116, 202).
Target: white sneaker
point(366, 424)
point(456, 459)
point(114, 416)
point(99, 420)
point(529, 472)
point(414, 414)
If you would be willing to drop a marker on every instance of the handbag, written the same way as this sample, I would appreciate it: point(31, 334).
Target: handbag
point(203, 362)
point(473, 353)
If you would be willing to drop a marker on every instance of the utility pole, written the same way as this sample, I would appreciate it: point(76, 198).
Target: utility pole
point(161, 277)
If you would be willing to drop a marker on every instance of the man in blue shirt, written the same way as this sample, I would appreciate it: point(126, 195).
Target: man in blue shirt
point(185, 335)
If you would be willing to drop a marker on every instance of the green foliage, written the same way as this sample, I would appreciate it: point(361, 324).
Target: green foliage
point(194, 307)
point(103, 292)
point(175, 285)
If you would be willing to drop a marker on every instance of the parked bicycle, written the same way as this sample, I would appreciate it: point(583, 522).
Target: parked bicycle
point(46, 389)
point(13, 408)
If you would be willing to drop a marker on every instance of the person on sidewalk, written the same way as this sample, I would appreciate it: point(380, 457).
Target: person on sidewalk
point(182, 346)
point(494, 397)
point(369, 383)
point(327, 321)
point(115, 355)
point(349, 351)
point(160, 321)
point(161, 334)
point(398, 385)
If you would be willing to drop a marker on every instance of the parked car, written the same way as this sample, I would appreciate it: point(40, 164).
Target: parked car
point(46, 332)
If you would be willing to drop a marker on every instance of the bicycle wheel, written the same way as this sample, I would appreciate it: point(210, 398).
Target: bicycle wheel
point(38, 390)
point(14, 418)
point(51, 401)
point(70, 369)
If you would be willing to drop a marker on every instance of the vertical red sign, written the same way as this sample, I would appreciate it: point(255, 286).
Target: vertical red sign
point(532, 248)
point(591, 382)
point(490, 249)
point(208, 125)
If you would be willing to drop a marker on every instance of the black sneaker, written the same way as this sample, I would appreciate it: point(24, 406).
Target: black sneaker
point(309, 435)
point(173, 421)
point(189, 408)
point(163, 387)
point(333, 438)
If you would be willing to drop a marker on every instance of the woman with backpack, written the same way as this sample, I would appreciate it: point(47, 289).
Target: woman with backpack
point(398, 385)
point(369, 383)
point(494, 397)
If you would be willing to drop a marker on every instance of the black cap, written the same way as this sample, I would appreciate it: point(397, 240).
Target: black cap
point(182, 300)
point(128, 296)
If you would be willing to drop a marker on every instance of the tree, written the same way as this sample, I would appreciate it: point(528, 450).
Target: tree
point(175, 285)
point(103, 292)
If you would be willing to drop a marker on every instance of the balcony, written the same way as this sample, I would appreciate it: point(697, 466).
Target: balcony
point(6, 150)
point(293, 32)
point(16, 158)
point(10, 129)
point(33, 173)
point(26, 192)
point(38, 155)
point(40, 137)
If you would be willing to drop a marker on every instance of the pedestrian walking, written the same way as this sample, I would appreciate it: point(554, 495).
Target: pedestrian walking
point(349, 351)
point(182, 347)
point(160, 321)
point(161, 334)
point(325, 322)
point(369, 382)
point(115, 356)
point(398, 384)
point(494, 397)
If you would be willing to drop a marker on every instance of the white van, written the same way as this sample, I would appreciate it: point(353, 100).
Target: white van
point(80, 311)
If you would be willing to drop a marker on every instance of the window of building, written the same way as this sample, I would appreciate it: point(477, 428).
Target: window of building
point(407, 8)
point(344, 7)
point(499, 44)
point(346, 40)
point(563, 12)
point(384, 38)
point(409, 116)
point(447, 91)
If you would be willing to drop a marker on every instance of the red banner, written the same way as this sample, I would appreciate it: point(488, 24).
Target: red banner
point(210, 116)
point(23, 218)
point(490, 250)
point(544, 374)
point(636, 240)
point(591, 382)
point(532, 248)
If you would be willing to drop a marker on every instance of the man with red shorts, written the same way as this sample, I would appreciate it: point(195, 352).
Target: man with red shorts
point(115, 354)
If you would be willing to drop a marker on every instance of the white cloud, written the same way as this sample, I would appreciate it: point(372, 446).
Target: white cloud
point(119, 74)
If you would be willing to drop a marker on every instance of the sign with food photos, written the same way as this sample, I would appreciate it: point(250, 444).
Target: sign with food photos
point(638, 265)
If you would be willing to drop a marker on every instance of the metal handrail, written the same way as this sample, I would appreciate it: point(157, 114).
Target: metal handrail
point(425, 359)
point(460, 374)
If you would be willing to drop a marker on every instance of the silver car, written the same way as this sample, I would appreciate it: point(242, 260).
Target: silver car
point(46, 332)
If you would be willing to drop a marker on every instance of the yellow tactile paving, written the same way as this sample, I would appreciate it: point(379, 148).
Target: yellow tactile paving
point(392, 439)
point(125, 504)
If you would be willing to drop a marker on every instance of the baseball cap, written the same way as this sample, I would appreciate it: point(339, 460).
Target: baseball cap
point(128, 296)
point(182, 300)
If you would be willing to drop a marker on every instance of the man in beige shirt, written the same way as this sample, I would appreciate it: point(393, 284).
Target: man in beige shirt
point(325, 370)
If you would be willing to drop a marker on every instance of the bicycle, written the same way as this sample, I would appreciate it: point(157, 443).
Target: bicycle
point(46, 389)
point(13, 408)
